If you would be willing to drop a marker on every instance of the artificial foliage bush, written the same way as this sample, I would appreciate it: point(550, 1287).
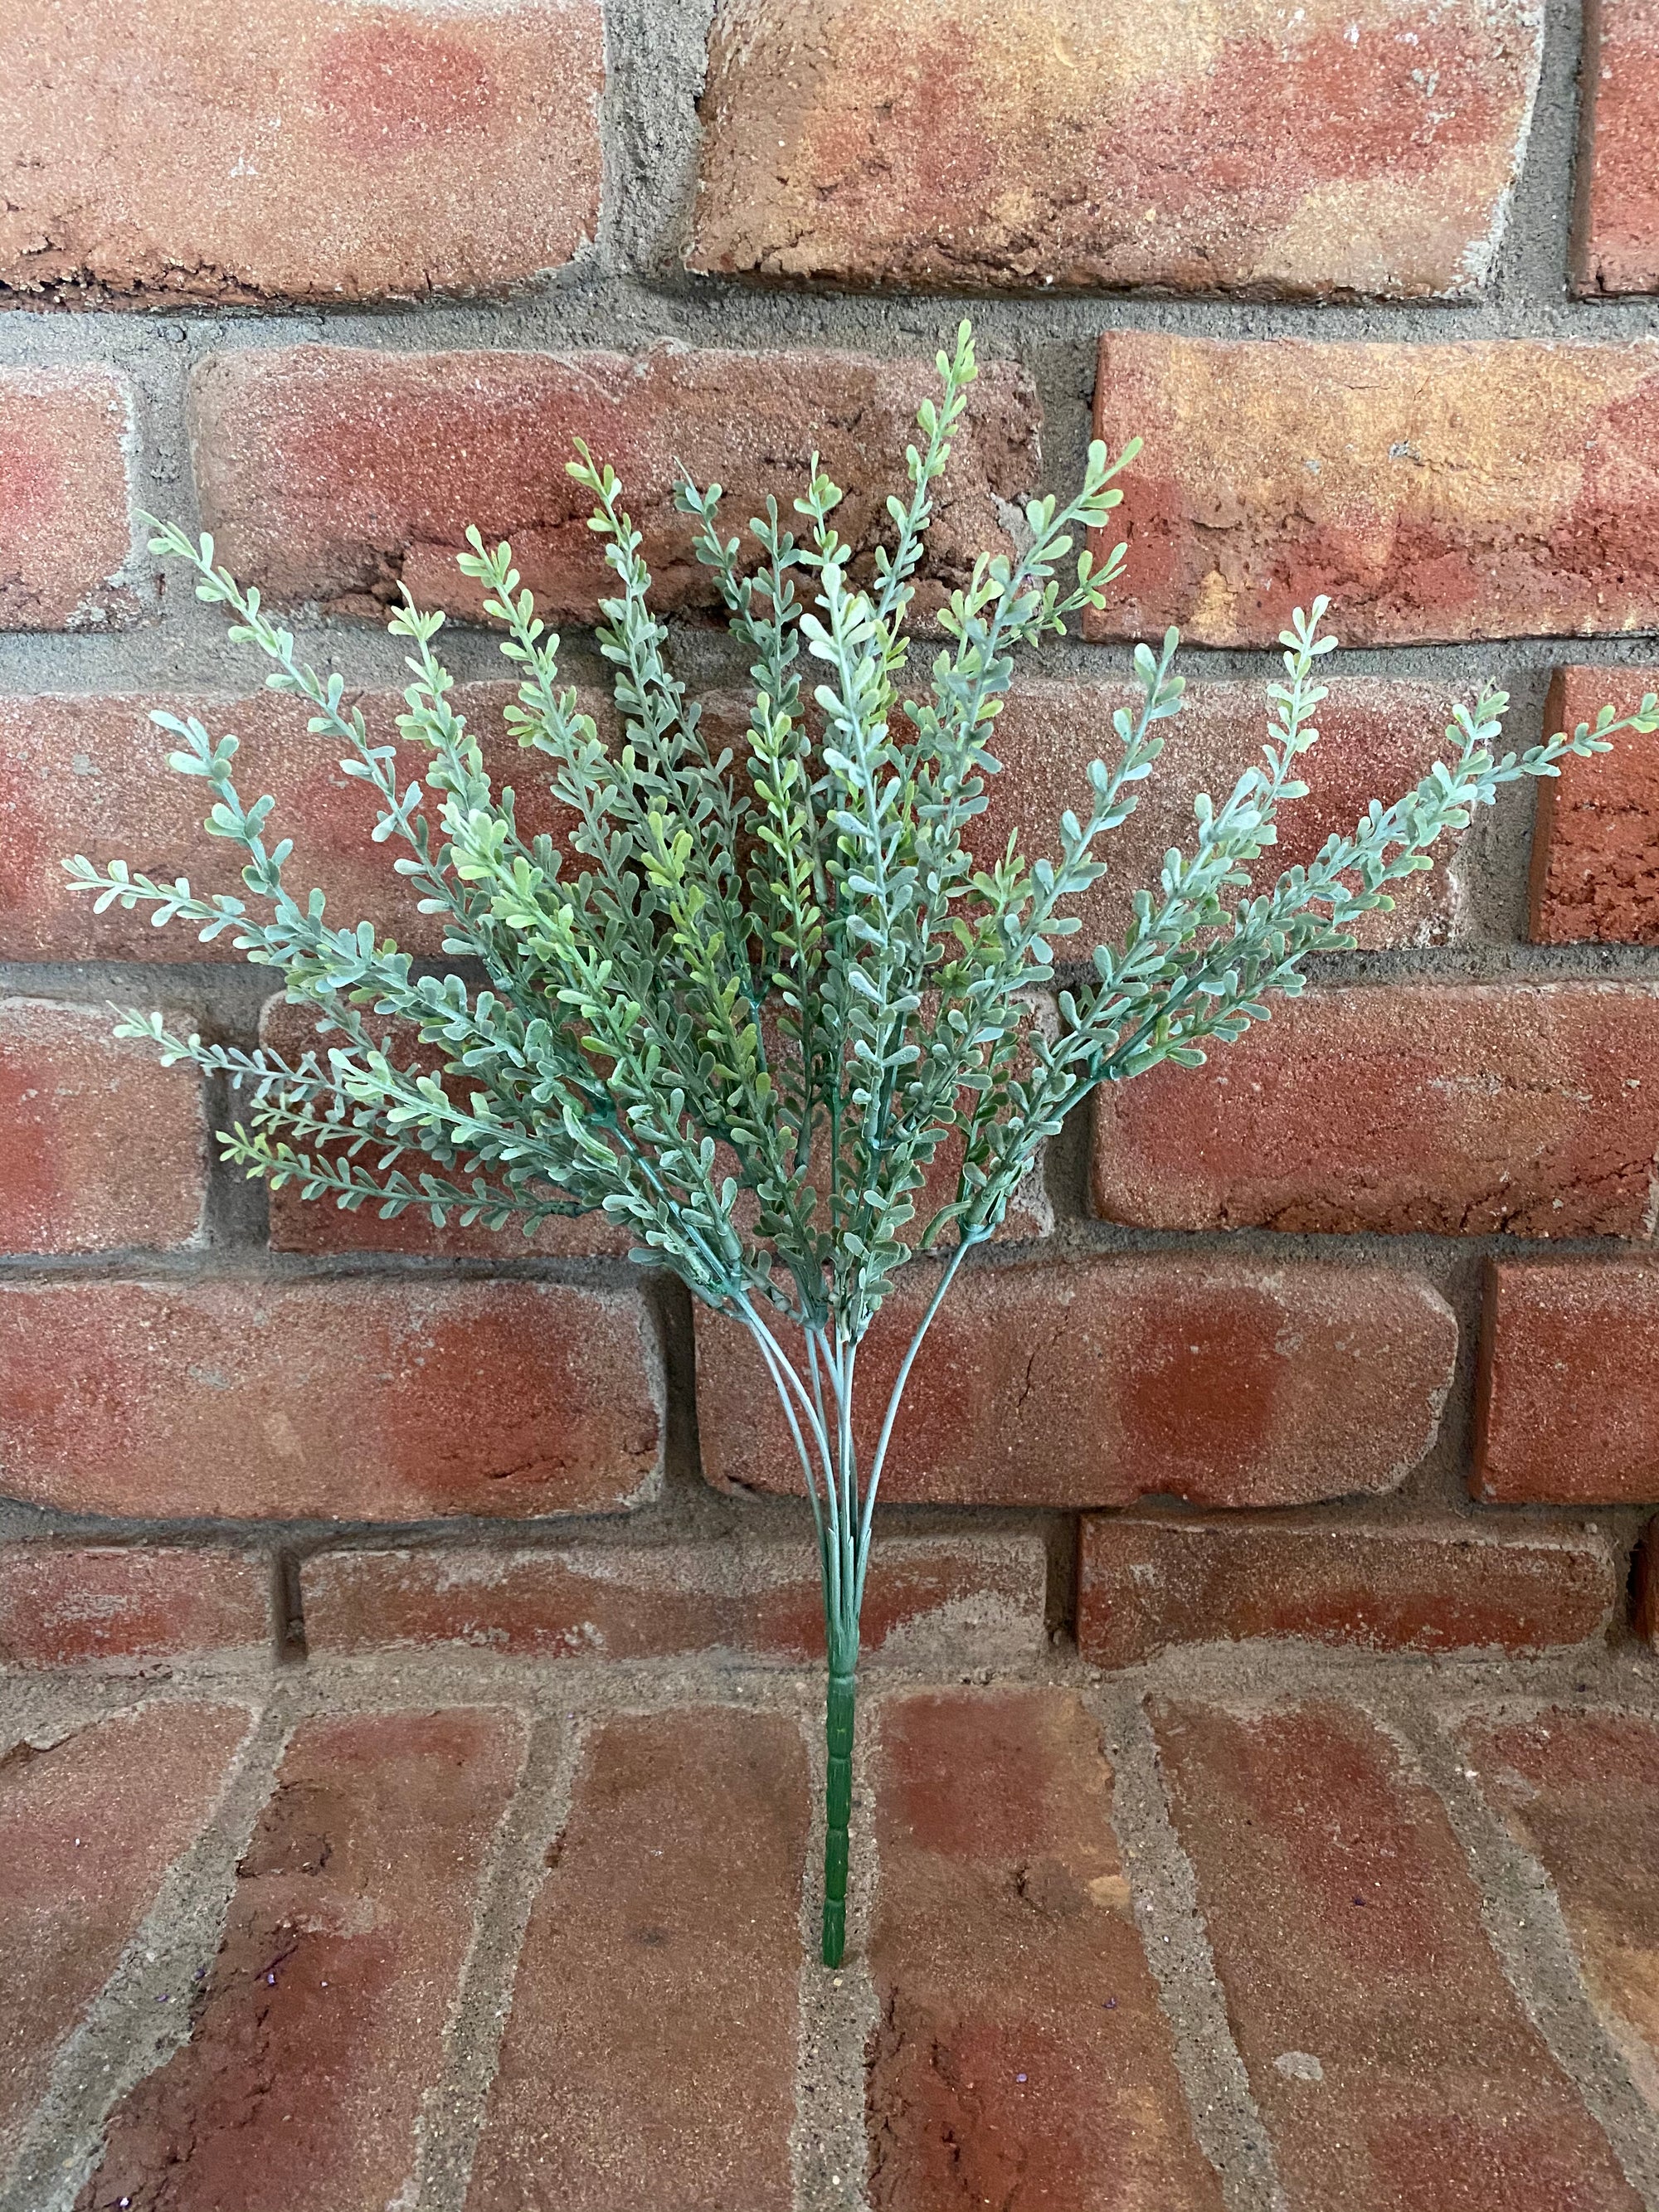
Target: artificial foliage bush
point(746, 1006)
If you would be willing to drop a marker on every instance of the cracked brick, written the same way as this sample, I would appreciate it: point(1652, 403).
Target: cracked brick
point(89, 1827)
point(320, 2024)
point(1021, 2057)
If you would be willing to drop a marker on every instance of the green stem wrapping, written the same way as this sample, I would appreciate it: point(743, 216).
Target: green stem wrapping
point(838, 1808)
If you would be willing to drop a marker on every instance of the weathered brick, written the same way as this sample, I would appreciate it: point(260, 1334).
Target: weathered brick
point(320, 2024)
point(65, 518)
point(89, 775)
point(1581, 1791)
point(1365, 150)
point(165, 156)
point(1095, 1382)
point(1615, 245)
point(661, 1965)
point(981, 1595)
point(1021, 2055)
point(62, 1604)
point(1462, 1110)
point(1482, 489)
point(1568, 1405)
point(332, 475)
point(1376, 738)
point(302, 1225)
point(1389, 2057)
point(1145, 1583)
point(103, 1147)
point(374, 1399)
point(1595, 834)
point(88, 1826)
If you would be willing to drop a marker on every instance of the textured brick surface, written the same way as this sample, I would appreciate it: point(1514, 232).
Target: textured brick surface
point(103, 1147)
point(1095, 1382)
point(1459, 1110)
point(1485, 488)
point(331, 474)
point(88, 1826)
point(1338, 150)
point(89, 775)
point(347, 1931)
point(63, 1606)
point(1375, 738)
point(667, 1924)
point(321, 153)
point(982, 1593)
point(1595, 835)
point(1581, 1790)
point(302, 1225)
point(65, 526)
point(1145, 1584)
point(1569, 1401)
point(1391, 2061)
point(1616, 236)
point(376, 1400)
point(1021, 2057)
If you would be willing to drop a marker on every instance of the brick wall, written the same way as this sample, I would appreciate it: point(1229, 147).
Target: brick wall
point(1354, 1334)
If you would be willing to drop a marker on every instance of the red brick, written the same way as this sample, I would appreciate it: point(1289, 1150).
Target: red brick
point(1390, 2059)
point(63, 1606)
point(1568, 1407)
point(660, 1966)
point(1145, 1583)
point(329, 474)
point(1459, 1110)
point(1375, 738)
point(88, 1826)
point(1616, 246)
point(1021, 2056)
point(302, 1225)
point(65, 518)
point(375, 1399)
point(1344, 150)
point(89, 775)
point(321, 2021)
point(982, 1596)
point(388, 151)
point(1595, 835)
point(1095, 1382)
point(103, 1147)
point(1484, 489)
point(1581, 1791)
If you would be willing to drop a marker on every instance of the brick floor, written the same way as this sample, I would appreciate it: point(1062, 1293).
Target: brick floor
point(1245, 1929)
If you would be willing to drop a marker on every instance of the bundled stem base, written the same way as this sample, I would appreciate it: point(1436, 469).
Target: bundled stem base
point(838, 1811)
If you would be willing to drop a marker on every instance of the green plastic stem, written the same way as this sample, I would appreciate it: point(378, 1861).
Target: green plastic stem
point(838, 1812)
